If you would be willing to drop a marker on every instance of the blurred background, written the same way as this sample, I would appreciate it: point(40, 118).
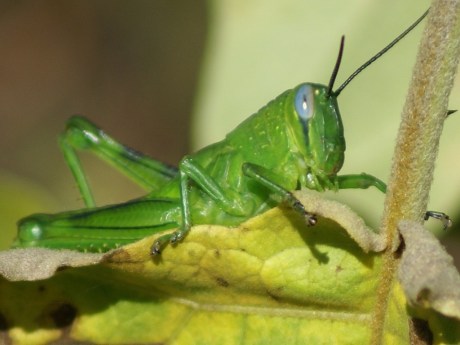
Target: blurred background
point(129, 66)
point(168, 77)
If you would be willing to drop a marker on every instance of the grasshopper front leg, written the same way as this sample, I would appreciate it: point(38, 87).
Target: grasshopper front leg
point(229, 200)
point(260, 174)
point(364, 181)
point(444, 218)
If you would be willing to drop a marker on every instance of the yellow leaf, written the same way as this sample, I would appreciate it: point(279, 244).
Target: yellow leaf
point(271, 280)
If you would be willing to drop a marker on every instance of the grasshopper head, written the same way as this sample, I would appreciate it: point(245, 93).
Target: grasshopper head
point(317, 110)
point(319, 118)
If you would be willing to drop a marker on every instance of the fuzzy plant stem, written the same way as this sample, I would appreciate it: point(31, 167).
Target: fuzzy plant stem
point(418, 138)
point(423, 118)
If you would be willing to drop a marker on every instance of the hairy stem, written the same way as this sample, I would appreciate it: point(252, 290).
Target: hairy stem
point(418, 137)
point(423, 118)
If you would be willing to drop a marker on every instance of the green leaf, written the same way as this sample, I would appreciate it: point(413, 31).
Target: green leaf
point(271, 280)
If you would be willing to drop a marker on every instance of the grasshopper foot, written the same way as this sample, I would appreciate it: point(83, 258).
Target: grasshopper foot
point(157, 246)
point(174, 237)
point(444, 218)
point(309, 217)
point(177, 236)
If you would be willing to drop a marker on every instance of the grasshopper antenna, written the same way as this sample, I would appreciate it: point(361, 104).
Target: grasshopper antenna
point(336, 68)
point(376, 56)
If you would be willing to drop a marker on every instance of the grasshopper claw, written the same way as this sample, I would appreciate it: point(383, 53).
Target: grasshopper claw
point(177, 236)
point(156, 247)
point(311, 219)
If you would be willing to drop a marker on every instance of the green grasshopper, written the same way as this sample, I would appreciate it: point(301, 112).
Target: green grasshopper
point(295, 141)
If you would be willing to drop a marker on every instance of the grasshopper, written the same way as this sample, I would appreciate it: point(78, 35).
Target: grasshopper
point(296, 140)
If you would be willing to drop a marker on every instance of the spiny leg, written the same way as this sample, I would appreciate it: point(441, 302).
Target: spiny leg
point(365, 181)
point(81, 134)
point(186, 219)
point(259, 174)
point(362, 181)
point(230, 201)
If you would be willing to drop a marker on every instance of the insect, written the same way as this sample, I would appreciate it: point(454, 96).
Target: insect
point(296, 140)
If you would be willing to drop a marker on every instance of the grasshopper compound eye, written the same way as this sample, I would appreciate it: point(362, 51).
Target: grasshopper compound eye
point(304, 103)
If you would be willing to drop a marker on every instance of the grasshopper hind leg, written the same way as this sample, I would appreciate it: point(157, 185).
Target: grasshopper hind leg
point(99, 229)
point(82, 135)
